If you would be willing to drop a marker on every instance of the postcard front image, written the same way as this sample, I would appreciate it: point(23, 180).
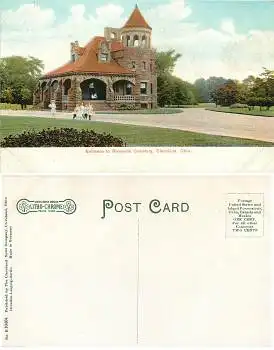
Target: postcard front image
point(125, 260)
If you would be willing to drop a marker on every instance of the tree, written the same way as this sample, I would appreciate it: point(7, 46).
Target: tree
point(202, 90)
point(19, 75)
point(227, 94)
point(172, 90)
point(166, 62)
point(206, 87)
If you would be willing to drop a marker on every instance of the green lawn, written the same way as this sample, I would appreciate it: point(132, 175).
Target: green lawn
point(132, 135)
point(255, 111)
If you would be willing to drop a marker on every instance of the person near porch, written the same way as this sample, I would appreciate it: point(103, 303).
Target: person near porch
point(52, 107)
point(82, 111)
point(90, 111)
point(86, 111)
point(76, 112)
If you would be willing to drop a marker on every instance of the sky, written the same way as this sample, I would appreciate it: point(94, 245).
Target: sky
point(226, 38)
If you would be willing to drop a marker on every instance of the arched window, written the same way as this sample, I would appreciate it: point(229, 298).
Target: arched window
point(136, 41)
point(113, 35)
point(54, 85)
point(67, 86)
point(128, 40)
point(144, 41)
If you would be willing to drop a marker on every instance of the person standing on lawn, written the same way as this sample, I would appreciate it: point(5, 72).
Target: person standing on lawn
point(76, 112)
point(52, 107)
point(90, 111)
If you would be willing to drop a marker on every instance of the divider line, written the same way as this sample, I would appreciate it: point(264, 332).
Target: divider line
point(138, 281)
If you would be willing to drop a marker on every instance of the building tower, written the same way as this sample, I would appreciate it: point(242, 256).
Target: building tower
point(139, 56)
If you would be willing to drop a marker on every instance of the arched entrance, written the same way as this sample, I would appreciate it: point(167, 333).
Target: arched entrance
point(93, 89)
point(54, 86)
point(123, 91)
point(65, 97)
point(123, 87)
point(45, 95)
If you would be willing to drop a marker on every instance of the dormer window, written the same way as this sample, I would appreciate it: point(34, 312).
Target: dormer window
point(73, 57)
point(104, 57)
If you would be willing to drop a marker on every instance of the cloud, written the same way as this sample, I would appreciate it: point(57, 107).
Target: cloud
point(31, 30)
point(228, 27)
point(29, 16)
point(173, 11)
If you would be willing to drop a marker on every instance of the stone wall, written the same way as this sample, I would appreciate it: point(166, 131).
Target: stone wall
point(143, 73)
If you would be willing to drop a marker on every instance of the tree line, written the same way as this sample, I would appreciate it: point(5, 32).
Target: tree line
point(18, 78)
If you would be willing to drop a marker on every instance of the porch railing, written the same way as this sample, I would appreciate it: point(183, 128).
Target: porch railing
point(124, 98)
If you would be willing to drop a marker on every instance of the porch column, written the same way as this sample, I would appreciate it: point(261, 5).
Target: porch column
point(109, 91)
point(74, 94)
point(58, 96)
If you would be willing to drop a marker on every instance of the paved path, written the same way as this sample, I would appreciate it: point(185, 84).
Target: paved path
point(192, 119)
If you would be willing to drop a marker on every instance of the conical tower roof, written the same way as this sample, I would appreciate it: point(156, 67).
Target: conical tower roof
point(136, 20)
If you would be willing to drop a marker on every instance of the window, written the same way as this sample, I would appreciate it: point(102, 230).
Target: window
point(128, 89)
point(113, 35)
point(128, 40)
point(136, 40)
point(143, 89)
point(151, 67)
point(143, 41)
point(73, 58)
point(104, 57)
point(144, 66)
point(151, 88)
point(133, 64)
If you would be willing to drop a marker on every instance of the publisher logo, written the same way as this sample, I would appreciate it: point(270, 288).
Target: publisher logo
point(25, 206)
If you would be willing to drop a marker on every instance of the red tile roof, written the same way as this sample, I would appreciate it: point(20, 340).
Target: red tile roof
point(136, 19)
point(117, 46)
point(88, 61)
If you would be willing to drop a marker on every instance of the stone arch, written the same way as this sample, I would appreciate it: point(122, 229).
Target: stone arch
point(123, 86)
point(54, 84)
point(136, 41)
point(113, 35)
point(66, 86)
point(45, 98)
point(93, 89)
point(130, 79)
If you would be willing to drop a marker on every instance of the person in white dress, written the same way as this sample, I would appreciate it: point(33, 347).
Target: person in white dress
point(82, 111)
point(90, 111)
point(86, 111)
point(76, 111)
point(52, 107)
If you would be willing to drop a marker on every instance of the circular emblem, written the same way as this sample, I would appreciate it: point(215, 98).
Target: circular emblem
point(23, 206)
point(69, 206)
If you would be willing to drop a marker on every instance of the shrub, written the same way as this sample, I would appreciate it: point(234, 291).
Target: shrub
point(12, 106)
point(239, 105)
point(126, 107)
point(62, 137)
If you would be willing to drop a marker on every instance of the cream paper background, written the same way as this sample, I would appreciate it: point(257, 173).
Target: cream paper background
point(173, 160)
point(77, 281)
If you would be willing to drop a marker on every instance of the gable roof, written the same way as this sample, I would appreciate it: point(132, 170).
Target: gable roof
point(136, 20)
point(88, 61)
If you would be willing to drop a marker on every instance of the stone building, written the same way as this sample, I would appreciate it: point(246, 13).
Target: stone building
point(112, 70)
